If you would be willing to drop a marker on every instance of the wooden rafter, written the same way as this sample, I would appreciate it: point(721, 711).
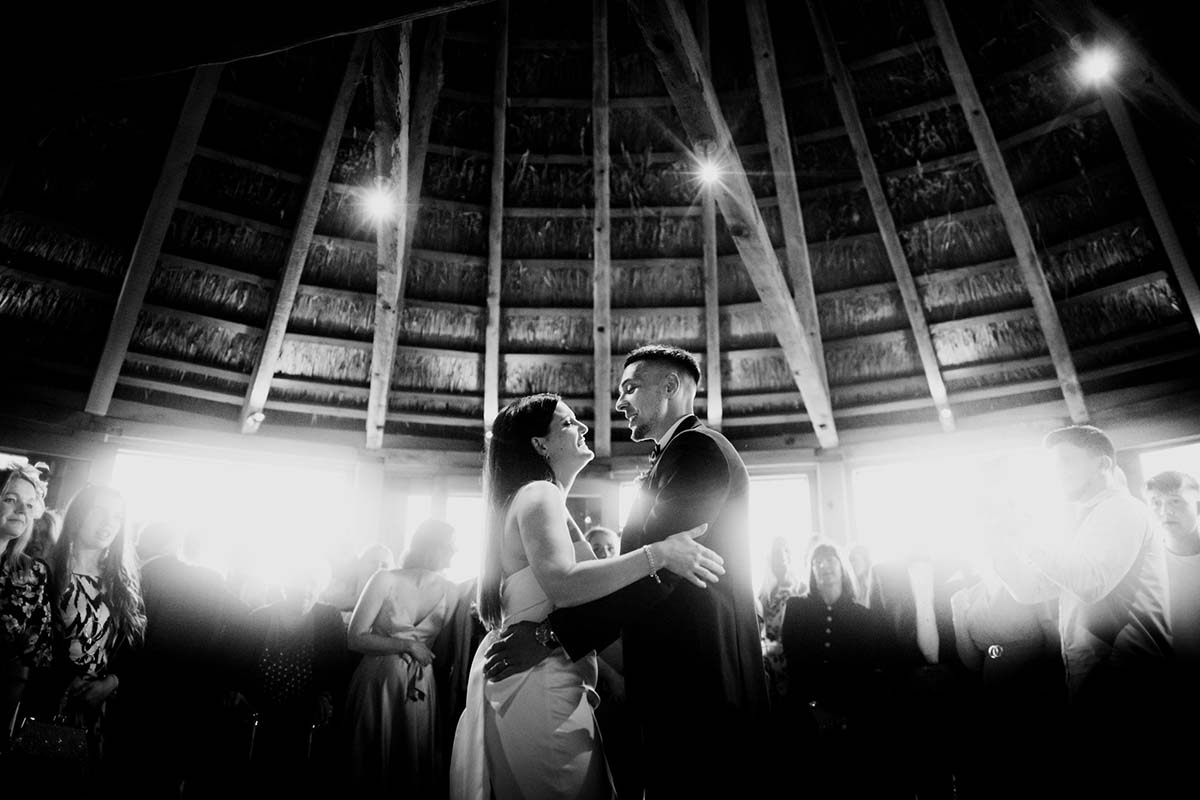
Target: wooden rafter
point(154, 230)
point(668, 34)
point(392, 122)
point(602, 236)
point(843, 89)
point(1010, 208)
point(710, 277)
point(783, 170)
point(491, 354)
point(306, 223)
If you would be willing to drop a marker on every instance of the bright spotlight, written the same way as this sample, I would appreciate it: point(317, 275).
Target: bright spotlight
point(1096, 65)
point(379, 204)
point(709, 173)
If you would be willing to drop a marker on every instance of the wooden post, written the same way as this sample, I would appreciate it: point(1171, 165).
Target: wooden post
point(392, 123)
point(1010, 208)
point(491, 357)
point(711, 276)
point(154, 230)
point(1148, 186)
point(429, 86)
point(601, 239)
point(779, 143)
point(668, 34)
point(843, 89)
point(289, 281)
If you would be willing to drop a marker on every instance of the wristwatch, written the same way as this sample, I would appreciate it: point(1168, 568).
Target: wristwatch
point(545, 635)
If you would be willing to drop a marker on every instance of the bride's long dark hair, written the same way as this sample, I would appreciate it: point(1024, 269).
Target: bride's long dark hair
point(509, 463)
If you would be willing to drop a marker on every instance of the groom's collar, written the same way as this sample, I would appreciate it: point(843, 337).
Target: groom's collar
point(671, 431)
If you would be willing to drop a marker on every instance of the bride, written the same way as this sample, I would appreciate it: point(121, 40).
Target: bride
point(532, 734)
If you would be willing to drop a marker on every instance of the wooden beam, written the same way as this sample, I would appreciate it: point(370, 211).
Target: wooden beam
point(429, 88)
point(306, 223)
point(1148, 186)
point(1010, 208)
point(154, 231)
point(491, 355)
point(601, 238)
point(668, 34)
point(783, 169)
point(392, 122)
point(843, 89)
point(710, 277)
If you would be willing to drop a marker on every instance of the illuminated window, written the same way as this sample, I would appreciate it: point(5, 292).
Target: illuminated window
point(249, 515)
point(465, 513)
point(1184, 458)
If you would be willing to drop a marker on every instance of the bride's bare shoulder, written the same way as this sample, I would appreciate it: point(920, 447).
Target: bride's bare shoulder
point(536, 492)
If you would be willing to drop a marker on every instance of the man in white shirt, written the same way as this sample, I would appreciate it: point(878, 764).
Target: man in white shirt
point(1108, 572)
point(1174, 497)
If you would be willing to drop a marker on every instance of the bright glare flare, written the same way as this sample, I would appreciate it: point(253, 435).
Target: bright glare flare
point(1096, 65)
point(709, 173)
point(379, 204)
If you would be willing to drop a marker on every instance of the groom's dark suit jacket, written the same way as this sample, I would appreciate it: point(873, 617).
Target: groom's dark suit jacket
point(693, 661)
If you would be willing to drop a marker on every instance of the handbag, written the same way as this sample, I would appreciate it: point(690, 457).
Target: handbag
point(57, 739)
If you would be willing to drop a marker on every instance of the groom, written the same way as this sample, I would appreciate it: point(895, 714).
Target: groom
point(693, 663)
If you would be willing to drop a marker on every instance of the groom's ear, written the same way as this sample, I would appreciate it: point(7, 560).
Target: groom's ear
point(671, 383)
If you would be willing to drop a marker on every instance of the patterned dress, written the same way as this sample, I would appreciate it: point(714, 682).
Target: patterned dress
point(773, 601)
point(25, 621)
point(86, 627)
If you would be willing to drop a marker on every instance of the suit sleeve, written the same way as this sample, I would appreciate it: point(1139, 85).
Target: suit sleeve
point(693, 484)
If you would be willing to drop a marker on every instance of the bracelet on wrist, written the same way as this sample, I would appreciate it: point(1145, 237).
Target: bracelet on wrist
point(653, 566)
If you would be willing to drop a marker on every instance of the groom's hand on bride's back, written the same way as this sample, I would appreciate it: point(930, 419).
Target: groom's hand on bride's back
point(515, 651)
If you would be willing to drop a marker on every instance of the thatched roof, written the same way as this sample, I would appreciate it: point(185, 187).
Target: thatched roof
point(76, 197)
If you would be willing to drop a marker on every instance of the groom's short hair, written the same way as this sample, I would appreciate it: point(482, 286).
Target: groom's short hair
point(667, 354)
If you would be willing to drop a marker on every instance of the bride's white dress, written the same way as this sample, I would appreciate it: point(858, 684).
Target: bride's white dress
point(532, 735)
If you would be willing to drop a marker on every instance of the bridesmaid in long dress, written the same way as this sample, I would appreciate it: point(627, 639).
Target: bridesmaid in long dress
point(391, 704)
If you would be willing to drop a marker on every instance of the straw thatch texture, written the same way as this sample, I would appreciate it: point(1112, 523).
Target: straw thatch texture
point(343, 214)
point(831, 215)
point(277, 142)
point(744, 325)
point(56, 250)
point(546, 185)
point(549, 130)
point(682, 327)
point(327, 362)
point(1101, 197)
point(955, 241)
point(540, 283)
point(1028, 99)
point(859, 394)
point(546, 331)
point(461, 372)
point(219, 242)
point(205, 292)
point(550, 237)
point(1084, 144)
point(1132, 310)
point(735, 406)
point(319, 394)
point(902, 82)
point(355, 162)
point(242, 191)
point(923, 137)
point(661, 282)
point(867, 27)
point(445, 277)
point(452, 230)
point(50, 319)
point(842, 264)
point(735, 285)
point(349, 316)
point(1001, 36)
point(466, 177)
point(869, 310)
point(196, 341)
point(1106, 257)
point(183, 377)
point(851, 360)
point(823, 162)
point(655, 235)
point(462, 123)
point(435, 325)
point(810, 108)
point(632, 72)
point(550, 72)
point(521, 375)
point(654, 129)
point(996, 340)
point(755, 371)
point(743, 112)
point(1001, 377)
point(919, 195)
point(340, 266)
point(443, 404)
